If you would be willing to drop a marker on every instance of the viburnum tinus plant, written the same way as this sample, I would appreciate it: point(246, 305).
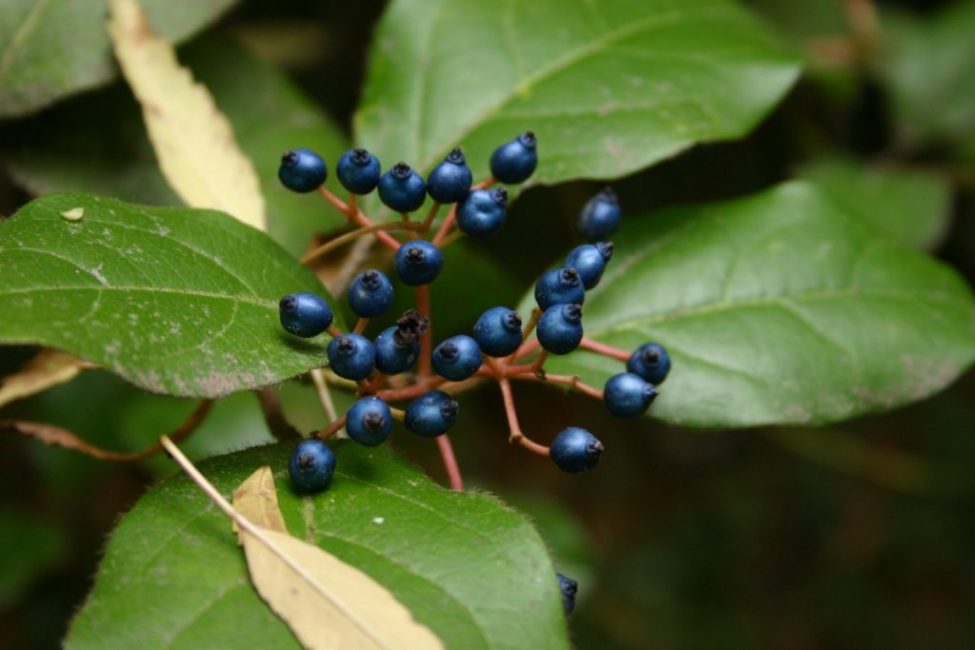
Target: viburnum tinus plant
point(500, 346)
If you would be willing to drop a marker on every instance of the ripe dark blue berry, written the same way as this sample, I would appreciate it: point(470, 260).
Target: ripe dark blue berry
point(371, 294)
point(311, 466)
point(395, 352)
point(600, 217)
point(450, 181)
point(482, 212)
point(559, 287)
point(351, 356)
point(498, 331)
point(432, 414)
point(560, 328)
point(589, 261)
point(457, 358)
point(369, 421)
point(514, 162)
point(358, 171)
point(627, 395)
point(651, 362)
point(401, 188)
point(304, 314)
point(568, 587)
point(418, 262)
point(575, 450)
point(302, 170)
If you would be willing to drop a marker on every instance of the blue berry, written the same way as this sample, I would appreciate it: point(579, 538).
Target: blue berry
point(311, 466)
point(589, 261)
point(600, 217)
point(358, 171)
point(401, 188)
point(568, 587)
point(457, 358)
point(371, 294)
point(559, 287)
point(575, 450)
point(369, 421)
point(351, 356)
point(482, 212)
point(304, 314)
point(302, 170)
point(432, 414)
point(450, 181)
point(627, 395)
point(418, 262)
point(498, 331)
point(395, 351)
point(651, 362)
point(560, 328)
point(514, 162)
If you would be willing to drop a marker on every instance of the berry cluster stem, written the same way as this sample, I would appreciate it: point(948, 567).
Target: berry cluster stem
point(354, 215)
point(426, 338)
point(516, 435)
point(603, 349)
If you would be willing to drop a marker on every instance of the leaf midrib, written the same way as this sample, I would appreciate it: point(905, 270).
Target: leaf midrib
point(196, 293)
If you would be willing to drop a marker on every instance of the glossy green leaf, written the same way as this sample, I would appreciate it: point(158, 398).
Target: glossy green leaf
point(53, 48)
point(912, 206)
point(929, 65)
point(468, 567)
point(269, 115)
point(609, 87)
point(780, 307)
point(175, 300)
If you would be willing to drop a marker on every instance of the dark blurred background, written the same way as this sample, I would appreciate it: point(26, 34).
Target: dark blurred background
point(860, 535)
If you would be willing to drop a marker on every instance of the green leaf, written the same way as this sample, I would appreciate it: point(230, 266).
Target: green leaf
point(780, 307)
point(608, 87)
point(53, 48)
point(929, 65)
point(472, 570)
point(912, 206)
point(175, 300)
point(105, 129)
point(28, 547)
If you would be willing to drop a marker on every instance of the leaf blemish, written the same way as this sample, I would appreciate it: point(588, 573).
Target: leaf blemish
point(74, 214)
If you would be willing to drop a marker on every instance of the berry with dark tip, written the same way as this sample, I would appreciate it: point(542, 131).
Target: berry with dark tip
point(302, 170)
point(370, 294)
point(401, 188)
point(482, 212)
point(575, 450)
point(568, 587)
point(627, 395)
point(457, 358)
point(369, 421)
point(514, 161)
point(600, 217)
point(418, 262)
point(351, 356)
point(304, 314)
point(311, 466)
point(589, 261)
point(432, 414)
point(450, 181)
point(651, 362)
point(358, 171)
point(559, 287)
point(560, 328)
point(498, 331)
point(395, 352)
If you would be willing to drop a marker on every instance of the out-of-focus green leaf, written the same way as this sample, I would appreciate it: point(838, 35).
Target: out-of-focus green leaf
point(780, 307)
point(268, 113)
point(177, 301)
point(53, 48)
point(28, 547)
point(912, 206)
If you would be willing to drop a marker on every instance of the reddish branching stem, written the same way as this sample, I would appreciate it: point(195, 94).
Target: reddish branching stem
point(450, 463)
point(516, 435)
point(603, 349)
point(354, 215)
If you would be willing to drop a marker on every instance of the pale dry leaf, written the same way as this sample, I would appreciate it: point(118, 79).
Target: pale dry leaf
point(194, 142)
point(327, 603)
point(47, 368)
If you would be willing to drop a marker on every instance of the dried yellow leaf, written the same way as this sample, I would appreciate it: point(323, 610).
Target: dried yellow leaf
point(48, 368)
point(326, 602)
point(194, 143)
